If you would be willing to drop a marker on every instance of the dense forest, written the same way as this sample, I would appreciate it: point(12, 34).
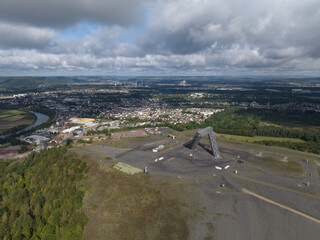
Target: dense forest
point(40, 197)
point(285, 117)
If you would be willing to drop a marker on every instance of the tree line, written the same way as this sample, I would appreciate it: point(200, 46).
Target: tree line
point(249, 122)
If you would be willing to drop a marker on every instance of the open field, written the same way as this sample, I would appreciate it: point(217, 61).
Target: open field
point(13, 118)
point(117, 143)
point(290, 168)
point(4, 145)
point(11, 152)
point(129, 134)
point(211, 211)
point(257, 138)
point(277, 151)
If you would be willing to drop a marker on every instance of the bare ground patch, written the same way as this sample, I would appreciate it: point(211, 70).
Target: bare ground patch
point(8, 124)
point(11, 152)
point(129, 134)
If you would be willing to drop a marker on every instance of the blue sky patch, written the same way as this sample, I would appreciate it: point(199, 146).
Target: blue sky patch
point(79, 30)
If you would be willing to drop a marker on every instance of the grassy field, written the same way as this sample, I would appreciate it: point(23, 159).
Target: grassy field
point(290, 168)
point(5, 145)
point(13, 118)
point(190, 134)
point(126, 168)
point(256, 138)
point(121, 206)
point(119, 143)
point(11, 115)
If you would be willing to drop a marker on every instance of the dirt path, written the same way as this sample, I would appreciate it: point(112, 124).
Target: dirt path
point(281, 205)
point(269, 184)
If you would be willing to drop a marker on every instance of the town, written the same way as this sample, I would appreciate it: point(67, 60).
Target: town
point(91, 114)
point(71, 108)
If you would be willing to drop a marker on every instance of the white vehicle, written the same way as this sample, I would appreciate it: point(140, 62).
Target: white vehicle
point(161, 158)
point(226, 167)
point(217, 167)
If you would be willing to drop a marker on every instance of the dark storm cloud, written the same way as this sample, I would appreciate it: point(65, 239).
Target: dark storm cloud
point(19, 36)
point(61, 13)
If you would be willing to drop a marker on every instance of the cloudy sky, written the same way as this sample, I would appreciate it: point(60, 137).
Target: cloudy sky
point(160, 37)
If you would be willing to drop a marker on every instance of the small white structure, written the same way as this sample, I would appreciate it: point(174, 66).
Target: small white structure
point(157, 149)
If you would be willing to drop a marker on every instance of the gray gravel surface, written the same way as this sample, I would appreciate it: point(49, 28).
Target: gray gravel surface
point(227, 212)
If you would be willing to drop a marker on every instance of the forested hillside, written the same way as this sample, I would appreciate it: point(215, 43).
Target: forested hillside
point(40, 197)
point(250, 122)
point(264, 122)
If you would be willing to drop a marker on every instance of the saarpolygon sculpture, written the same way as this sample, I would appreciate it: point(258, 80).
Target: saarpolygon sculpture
point(213, 143)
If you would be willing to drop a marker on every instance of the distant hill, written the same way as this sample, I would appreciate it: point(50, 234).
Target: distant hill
point(16, 83)
point(25, 83)
point(34, 82)
point(20, 82)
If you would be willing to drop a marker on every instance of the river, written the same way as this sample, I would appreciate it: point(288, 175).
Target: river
point(41, 118)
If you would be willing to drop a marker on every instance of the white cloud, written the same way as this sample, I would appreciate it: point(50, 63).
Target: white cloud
point(176, 36)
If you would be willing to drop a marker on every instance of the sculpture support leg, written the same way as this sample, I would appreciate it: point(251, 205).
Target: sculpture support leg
point(212, 138)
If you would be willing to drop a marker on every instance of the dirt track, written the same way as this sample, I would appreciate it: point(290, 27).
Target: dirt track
point(280, 205)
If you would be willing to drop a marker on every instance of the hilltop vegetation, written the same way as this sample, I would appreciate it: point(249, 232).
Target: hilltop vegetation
point(285, 117)
point(41, 197)
point(256, 122)
point(56, 195)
